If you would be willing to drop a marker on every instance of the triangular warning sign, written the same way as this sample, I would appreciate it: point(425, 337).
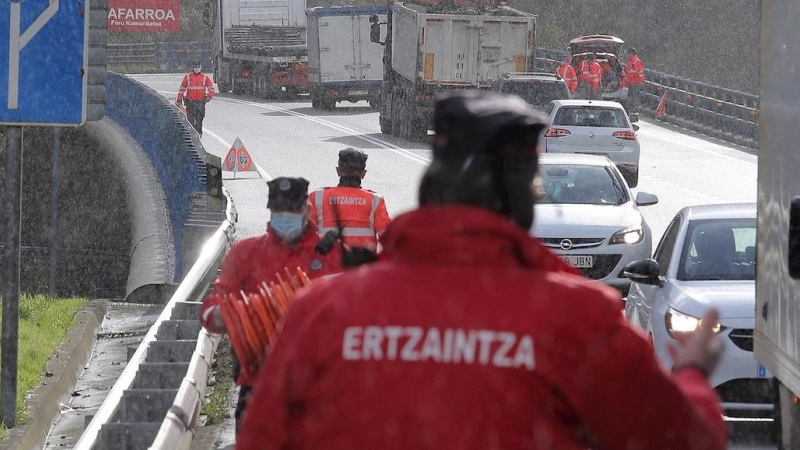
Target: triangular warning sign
point(238, 159)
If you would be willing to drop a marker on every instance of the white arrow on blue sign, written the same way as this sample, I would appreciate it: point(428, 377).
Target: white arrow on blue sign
point(44, 80)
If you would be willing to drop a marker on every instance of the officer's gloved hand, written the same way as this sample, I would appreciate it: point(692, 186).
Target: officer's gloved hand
point(208, 99)
point(325, 245)
point(177, 103)
point(356, 256)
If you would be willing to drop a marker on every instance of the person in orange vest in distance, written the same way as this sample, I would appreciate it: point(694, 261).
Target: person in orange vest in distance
point(196, 90)
point(590, 77)
point(361, 213)
point(291, 241)
point(634, 77)
point(567, 73)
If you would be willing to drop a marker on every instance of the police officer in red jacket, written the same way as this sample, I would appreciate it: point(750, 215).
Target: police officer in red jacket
point(469, 334)
point(291, 241)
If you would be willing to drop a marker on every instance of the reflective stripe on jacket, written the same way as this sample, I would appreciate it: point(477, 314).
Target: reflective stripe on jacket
point(194, 87)
point(362, 213)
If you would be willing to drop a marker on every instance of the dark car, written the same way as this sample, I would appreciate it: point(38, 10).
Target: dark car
point(606, 49)
point(538, 89)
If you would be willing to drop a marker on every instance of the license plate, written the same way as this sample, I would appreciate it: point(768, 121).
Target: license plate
point(579, 261)
point(359, 92)
point(763, 372)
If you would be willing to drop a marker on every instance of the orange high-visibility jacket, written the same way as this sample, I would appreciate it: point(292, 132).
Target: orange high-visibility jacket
point(194, 87)
point(591, 74)
point(567, 73)
point(634, 70)
point(362, 213)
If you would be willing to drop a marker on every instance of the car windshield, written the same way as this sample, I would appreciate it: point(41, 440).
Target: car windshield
point(719, 250)
point(537, 93)
point(581, 184)
point(591, 116)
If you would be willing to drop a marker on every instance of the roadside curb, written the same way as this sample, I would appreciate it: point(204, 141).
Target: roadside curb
point(66, 365)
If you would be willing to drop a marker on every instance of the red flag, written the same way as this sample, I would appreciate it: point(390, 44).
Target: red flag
point(661, 110)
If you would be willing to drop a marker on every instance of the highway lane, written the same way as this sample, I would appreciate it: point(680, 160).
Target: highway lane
point(290, 138)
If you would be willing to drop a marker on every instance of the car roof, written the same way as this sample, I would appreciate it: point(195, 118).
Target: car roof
point(532, 76)
point(603, 103)
point(574, 158)
point(720, 211)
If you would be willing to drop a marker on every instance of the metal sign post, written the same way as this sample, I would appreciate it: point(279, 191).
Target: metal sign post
point(13, 190)
point(54, 213)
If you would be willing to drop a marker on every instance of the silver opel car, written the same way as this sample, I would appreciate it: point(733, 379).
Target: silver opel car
point(589, 216)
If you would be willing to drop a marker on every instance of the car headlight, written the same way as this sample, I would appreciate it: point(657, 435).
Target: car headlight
point(629, 236)
point(679, 323)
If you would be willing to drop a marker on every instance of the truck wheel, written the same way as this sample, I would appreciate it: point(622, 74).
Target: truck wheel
point(315, 102)
point(328, 104)
point(374, 104)
point(386, 126)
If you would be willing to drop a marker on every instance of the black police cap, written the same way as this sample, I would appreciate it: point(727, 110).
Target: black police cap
point(352, 159)
point(464, 122)
point(285, 192)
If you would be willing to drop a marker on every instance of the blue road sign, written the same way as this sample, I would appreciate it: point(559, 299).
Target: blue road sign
point(44, 51)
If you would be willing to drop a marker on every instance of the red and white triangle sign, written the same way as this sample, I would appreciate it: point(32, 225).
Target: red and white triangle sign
point(238, 159)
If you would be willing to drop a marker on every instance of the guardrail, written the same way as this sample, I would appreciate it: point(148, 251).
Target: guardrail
point(159, 57)
point(712, 110)
point(157, 399)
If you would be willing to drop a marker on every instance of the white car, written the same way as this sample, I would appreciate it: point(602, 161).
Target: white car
point(596, 128)
point(588, 215)
point(706, 258)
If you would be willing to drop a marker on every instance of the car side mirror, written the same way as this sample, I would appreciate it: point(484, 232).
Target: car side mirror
point(635, 127)
point(646, 199)
point(645, 272)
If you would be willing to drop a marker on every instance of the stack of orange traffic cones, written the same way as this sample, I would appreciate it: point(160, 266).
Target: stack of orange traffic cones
point(252, 319)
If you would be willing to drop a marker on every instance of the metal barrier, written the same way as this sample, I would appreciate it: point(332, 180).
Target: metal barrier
point(159, 57)
point(715, 111)
point(156, 401)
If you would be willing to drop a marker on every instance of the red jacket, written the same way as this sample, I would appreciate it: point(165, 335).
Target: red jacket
point(634, 70)
point(591, 73)
point(362, 212)
point(195, 87)
point(567, 73)
point(469, 334)
point(260, 258)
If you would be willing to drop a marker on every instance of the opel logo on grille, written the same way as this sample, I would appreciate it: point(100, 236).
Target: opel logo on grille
point(591, 135)
point(565, 244)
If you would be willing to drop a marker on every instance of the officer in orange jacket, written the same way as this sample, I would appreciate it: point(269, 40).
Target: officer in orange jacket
point(567, 73)
point(634, 77)
point(291, 241)
point(361, 213)
point(590, 77)
point(196, 90)
point(469, 334)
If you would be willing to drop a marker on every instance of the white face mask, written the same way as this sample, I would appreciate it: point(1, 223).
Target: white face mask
point(287, 225)
point(197, 70)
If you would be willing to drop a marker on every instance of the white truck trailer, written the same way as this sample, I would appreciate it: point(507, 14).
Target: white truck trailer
point(777, 332)
point(432, 48)
point(342, 62)
point(260, 47)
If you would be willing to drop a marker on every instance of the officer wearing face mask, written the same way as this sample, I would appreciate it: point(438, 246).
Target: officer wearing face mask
point(196, 90)
point(291, 241)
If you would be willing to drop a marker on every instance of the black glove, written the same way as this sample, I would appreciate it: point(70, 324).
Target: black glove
point(325, 245)
point(208, 99)
point(358, 256)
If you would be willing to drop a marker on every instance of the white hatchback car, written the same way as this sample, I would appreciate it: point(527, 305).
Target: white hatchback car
point(588, 215)
point(596, 128)
point(706, 258)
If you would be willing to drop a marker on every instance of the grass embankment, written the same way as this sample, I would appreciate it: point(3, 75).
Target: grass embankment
point(43, 323)
point(217, 408)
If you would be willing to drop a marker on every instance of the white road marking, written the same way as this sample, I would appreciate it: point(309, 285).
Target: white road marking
point(687, 142)
point(351, 132)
